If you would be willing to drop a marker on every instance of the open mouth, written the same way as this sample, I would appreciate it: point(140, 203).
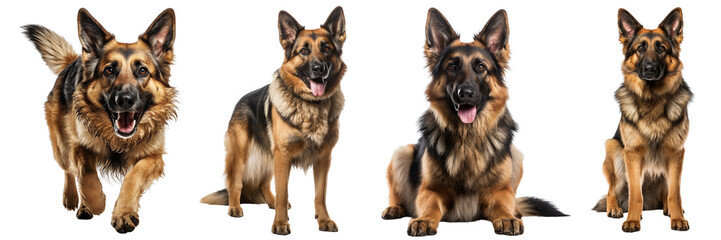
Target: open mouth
point(466, 112)
point(317, 85)
point(125, 123)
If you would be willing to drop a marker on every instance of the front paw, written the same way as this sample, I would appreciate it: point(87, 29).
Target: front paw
point(327, 226)
point(614, 212)
point(510, 226)
point(679, 224)
point(422, 227)
point(631, 226)
point(235, 211)
point(281, 228)
point(125, 222)
point(393, 212)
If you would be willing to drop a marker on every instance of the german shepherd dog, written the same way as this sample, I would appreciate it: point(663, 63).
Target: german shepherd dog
point(464, 167)
point(293, 121)
point(644, 158)
point(108, 110)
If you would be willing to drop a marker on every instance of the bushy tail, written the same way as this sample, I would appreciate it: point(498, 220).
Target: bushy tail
point(55, 50)
point(531, 206)
point(220, 197)
point(600, 205)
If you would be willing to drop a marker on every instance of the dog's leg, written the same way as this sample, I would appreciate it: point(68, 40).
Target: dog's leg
point(60, 152)
point(91, 190)
point(501, 204)
point(136, 181)
point(395, 210)
point(281, 170)
point(397, 175)
point(320, 175)
point(633, 159)
point(675, 211)
point(609, 170)
point(236, 148)
point(267, 194)
point(430, 207)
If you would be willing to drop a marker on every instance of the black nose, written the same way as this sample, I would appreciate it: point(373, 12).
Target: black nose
point(650, 68)
point(125, 100)
point(465, 93)
point(318, 69)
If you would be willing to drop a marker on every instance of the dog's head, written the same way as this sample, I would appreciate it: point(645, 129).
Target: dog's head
point(126, 81)
point(651, 55)
point(312, 66)
point(467, 77)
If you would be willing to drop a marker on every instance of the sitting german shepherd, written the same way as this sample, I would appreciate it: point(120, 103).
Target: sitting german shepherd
point(464, 167)
point(644, 158)
point(291, 122)
point(108, 109)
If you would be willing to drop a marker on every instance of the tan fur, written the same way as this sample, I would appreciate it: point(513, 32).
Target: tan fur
point(302, 130)
point(653, 129)
point(82, 134)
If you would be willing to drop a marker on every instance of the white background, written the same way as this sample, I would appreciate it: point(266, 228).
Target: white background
point(565, 67)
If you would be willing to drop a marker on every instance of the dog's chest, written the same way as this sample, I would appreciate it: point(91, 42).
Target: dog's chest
point(655, 118)
point(310, 119)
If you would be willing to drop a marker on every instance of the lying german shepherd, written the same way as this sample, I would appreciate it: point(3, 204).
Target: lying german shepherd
point(108, 109)
point(291, 122)
point(464, 167)
point(645, 156)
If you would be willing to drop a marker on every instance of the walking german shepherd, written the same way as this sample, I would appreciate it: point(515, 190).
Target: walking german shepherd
point(293, 121)
point(464, 167)
point(108, 110)
point(644, 158)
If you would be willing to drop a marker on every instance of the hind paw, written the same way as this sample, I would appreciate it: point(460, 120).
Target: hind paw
point(393, 212)
point(679, 224)
point(84, 213)
point(616, 212)
point(235, 211)
point(327, 226)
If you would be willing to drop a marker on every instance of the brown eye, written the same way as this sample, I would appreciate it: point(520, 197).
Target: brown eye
point(481, 67)
point(325, 49)
point(108, 71)
point(304, 51)
point(640, 48)
point(452, 67)
point(661, 48)
point(143, 71)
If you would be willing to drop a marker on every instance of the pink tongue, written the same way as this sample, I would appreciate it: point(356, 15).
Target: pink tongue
point(467, 114)
point(125, 122)
point(317, 88)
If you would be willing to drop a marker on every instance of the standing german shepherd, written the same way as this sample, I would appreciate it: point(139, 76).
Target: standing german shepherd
point(464, 167)
point(108, 110)
point(291, 122)
point(645, 156)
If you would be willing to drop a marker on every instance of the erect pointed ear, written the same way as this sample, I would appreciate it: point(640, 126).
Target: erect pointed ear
point(92, 35)
point(288, 28)
point(673, 25)
point(439, 33)
point(495, 34)
point(627, 25)
point(160, 35)
point(335, 24)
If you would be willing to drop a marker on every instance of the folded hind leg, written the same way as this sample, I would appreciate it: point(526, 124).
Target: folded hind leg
point(236, 148)
point(613, 148)
point(399, 165)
